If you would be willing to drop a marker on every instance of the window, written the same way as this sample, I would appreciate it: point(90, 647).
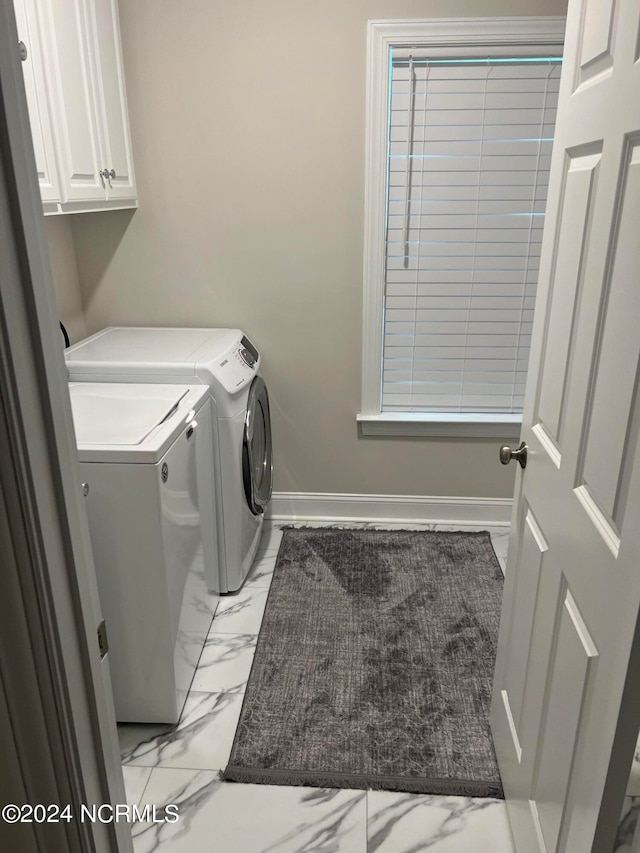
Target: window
point(460, 126)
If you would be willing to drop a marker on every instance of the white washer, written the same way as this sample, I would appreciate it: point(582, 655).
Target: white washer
point(229, 364)
point(146, 456)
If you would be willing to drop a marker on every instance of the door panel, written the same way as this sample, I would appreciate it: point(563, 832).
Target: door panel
point(572, 591)
point(113, 101)
point(574, 652)
point(575, 218)
point(605, 429)
point(81, 158)
point(596, 38)
point(531, 556)
point(29, 31)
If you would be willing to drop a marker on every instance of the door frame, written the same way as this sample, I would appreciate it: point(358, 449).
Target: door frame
point(58, 738)
point(56, 725)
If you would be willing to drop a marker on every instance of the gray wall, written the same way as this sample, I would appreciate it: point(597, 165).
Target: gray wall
point(64, 274)
point(248, 132)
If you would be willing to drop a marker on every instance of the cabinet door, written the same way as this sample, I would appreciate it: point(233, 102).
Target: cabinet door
point(37, 100)
point(112, 101)
point(81, 158)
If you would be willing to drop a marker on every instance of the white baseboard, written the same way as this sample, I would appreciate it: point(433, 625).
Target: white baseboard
point(412, 509)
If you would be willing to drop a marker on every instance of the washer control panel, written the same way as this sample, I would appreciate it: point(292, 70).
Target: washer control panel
point(248, 353)
point(238, 365)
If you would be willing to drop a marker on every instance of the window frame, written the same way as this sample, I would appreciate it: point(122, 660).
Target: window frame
point(469, 36)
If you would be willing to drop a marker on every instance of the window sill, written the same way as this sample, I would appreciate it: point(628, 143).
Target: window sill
point(445, 424)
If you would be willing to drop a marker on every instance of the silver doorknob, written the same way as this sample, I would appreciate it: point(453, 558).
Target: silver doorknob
point(507, 454)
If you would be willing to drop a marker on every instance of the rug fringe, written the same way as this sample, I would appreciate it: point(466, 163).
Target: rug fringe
point(375, 528)
point(438, 787)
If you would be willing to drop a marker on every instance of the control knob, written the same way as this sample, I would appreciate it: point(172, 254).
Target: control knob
point(247, 357)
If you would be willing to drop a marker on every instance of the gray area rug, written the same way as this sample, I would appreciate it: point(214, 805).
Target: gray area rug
point(374, 665)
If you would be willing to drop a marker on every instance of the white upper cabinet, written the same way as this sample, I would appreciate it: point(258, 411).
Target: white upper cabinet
point(81, 62)
point(38, 102)
point(74, 96)
point(113, 100)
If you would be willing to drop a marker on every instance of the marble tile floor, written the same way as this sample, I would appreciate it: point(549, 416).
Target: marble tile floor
point(180, 765)
point(628, 832)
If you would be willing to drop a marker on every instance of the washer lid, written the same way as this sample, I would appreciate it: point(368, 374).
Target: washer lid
point(130, 422)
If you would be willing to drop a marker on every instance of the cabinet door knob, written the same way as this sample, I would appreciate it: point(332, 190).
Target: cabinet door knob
point(22, 50)
point(107, 175)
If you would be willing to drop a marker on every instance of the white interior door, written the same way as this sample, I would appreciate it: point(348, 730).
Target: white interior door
point(572, 593)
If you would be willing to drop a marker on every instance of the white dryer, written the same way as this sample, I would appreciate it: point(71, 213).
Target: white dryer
point(229, 364)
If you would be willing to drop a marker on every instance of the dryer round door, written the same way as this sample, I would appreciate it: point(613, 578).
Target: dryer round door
point(257, 464)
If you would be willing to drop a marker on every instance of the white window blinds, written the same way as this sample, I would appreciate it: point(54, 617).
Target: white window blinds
point(468, 166)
